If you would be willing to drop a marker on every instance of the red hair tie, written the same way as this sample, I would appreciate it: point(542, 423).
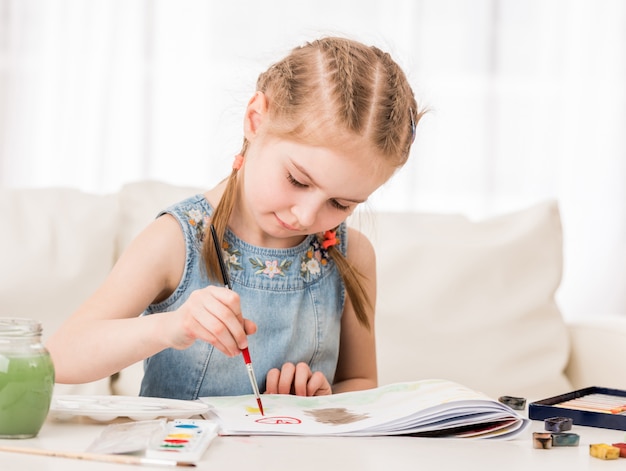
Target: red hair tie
point(238, 162)
point(330, 239)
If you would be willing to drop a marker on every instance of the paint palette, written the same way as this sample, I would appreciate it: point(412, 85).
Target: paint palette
point(106, 408)
point(183, 441)
point(593, 407)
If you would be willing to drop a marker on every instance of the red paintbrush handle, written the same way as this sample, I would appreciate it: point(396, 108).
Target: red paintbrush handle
point(246, 356)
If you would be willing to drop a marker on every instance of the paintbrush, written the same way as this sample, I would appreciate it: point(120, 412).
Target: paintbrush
point(245, 352)
point(120, 459)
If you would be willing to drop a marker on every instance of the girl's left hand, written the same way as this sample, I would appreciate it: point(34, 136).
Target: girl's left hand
point(297, 379)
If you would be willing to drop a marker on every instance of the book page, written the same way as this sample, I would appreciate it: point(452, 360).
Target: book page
point(429, 407)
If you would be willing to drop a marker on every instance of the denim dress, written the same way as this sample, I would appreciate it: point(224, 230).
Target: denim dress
point(294, 295)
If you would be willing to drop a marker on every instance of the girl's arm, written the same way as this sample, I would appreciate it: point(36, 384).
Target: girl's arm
point(356, 368)
point(107, 332)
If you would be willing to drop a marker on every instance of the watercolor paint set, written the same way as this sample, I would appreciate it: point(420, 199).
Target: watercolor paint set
point(183, 440)
point(593, 407)
point(180, 441)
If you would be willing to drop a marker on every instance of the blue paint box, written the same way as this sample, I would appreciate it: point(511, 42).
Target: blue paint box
point(591, 407)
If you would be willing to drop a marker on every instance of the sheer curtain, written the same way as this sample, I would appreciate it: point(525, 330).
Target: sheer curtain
point(527, 102)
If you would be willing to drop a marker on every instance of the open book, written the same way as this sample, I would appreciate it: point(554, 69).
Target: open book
point(428, 408)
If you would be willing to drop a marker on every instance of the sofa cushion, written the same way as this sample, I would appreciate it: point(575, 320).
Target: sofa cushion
point(141, 202)
point(596, 343)
point(471, 301)
point(56, 246)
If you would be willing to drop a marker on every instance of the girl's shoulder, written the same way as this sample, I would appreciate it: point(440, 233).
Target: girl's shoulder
point(360, 251)
point(194, 203)
point(193, 214)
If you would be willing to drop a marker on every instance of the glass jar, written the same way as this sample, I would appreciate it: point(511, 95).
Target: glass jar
point(26, 378)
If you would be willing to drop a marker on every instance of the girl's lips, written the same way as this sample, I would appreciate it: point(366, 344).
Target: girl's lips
point(285, 225)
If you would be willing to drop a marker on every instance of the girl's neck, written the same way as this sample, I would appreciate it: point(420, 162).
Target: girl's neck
point(214, 195)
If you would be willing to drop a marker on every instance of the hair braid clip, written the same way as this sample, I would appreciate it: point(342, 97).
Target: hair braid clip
point(238, 162)
point(330, 239)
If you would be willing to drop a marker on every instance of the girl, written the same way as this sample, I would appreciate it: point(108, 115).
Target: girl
point(327, 126)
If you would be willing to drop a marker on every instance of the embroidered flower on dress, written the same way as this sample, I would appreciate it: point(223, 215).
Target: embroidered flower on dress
point(271, 268)
point(310, 266)
point(231, 257)
point(313, 260)
point(198, 220)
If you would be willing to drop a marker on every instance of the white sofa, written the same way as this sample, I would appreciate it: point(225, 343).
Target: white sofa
point(470, 301)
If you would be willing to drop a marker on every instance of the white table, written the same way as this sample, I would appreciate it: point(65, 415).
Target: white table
point(330, 453)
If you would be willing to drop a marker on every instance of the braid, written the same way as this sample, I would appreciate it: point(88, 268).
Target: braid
point(220, 218)
point(394, 124)
point(341, 71)
point(354, 287)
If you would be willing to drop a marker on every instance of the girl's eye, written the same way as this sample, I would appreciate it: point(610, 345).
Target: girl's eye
point(334, 203)
point(295, 182)
point(339, 206)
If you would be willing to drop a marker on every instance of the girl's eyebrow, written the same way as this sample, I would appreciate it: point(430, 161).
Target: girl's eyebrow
point(308, 177)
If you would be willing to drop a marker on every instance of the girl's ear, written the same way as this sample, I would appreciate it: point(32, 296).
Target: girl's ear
point(256, 111)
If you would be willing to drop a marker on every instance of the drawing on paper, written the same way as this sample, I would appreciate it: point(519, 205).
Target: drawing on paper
point(427, 407)
point(278, 420)
point(335, 415)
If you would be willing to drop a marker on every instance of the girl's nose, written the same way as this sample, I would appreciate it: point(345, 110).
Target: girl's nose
point(306, 212)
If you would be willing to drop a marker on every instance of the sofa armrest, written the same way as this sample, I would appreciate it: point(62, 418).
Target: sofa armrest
point(597, 345)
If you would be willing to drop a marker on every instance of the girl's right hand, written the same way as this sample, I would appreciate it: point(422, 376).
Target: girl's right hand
point(212, 314)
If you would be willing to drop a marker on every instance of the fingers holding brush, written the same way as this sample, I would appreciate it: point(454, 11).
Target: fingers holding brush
point(213, 314)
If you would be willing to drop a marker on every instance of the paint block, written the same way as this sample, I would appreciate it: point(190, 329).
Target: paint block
point(515, 403)
point(622, 449)
point(542, 440)
point(565, 439)
point(558, 424)
point(604, 451)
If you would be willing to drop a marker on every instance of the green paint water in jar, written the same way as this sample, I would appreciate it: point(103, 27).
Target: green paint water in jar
point(26, 378)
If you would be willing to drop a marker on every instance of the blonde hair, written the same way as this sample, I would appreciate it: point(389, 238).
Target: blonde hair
point(326, 89)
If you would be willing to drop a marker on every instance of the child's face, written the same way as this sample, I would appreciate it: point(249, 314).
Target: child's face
point(293, 189)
